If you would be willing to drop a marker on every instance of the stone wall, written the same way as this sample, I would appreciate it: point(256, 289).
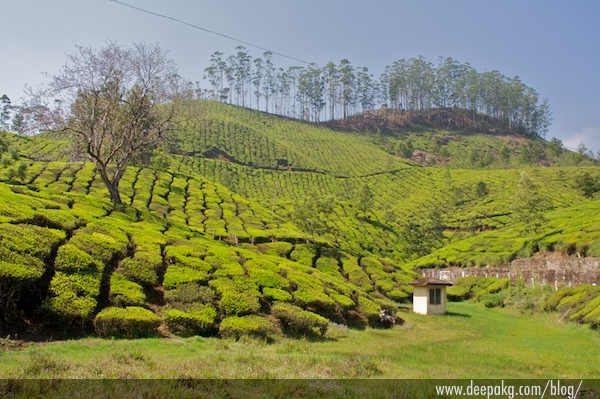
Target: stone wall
point(559, 271)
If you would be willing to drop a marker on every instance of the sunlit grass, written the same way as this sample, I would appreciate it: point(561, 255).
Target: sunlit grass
point(469, 342)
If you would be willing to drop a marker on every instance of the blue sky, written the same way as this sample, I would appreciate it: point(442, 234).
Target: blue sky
point(553, 46)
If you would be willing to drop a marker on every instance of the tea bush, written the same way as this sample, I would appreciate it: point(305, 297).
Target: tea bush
point(275, 294)
point(99, 245)
point(239, 303)
point(369, 309)
point(299, 320)
point(178, 275)
point(190, 293)
point(253, 326)
point(129, 322)
point(73, 295)
point(124, 292)
point(69, 258)
point(198, 320)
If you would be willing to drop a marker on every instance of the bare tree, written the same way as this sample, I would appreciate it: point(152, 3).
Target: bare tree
point(115, 102)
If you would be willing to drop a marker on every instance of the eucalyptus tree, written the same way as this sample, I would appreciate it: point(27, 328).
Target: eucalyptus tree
point(270, 84)
point(242, 73)
point(366, 89)
point(311, 92)
point(331, 79)
point(257, 78)
point(348, 86)
point(5, 110)
point(215, 74)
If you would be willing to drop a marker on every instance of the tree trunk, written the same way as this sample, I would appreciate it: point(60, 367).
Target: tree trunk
point(112, 186)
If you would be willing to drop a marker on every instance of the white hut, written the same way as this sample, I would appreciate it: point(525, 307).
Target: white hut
point(430, 295)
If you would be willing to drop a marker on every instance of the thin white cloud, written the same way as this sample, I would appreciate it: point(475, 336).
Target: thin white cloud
point(588, 135)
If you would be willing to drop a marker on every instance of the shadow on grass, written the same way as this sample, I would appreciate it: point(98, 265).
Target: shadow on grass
point(455, 314)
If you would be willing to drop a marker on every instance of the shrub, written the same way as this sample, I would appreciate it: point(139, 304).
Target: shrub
point(361, 279)
point(239, 303)
point(177, 275)
point(83, 284)
point(27, 239)
point(553, 301)
point(298, 319)
point(190, 293)
point(369, 309)
point(342, 300)
point(267, 278)
point(254, 326)
point(491, 300)
point(73, 296)
point(593, 319)
point(314, 297)
point(99, 245)
point(141, 268)
point(68, 306)
point(124, 292)
point(229, 269)
point(69, 258)
point(276, 294)
point(329, 266)
point(12, 273)
point(279, 248)
point(397, 295)
point(199, 320)
point(129, 322)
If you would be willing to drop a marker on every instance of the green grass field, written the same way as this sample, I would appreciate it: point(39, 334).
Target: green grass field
point(469, 342)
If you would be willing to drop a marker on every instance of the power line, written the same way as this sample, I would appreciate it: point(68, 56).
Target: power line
point(205, 30)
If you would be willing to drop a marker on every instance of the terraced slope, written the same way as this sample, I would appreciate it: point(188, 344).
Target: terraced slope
point(212, 244)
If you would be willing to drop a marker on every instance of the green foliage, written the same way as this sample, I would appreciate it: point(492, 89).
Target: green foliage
point(580, 304)
point(267, 278)
point(129, 322)
point(476, 287)
point(199, 320)
point(366, 199)
point(304, 254)
point(299, 320)
point(421, 236)
point(481, 189)
point(275, 294)
point(99, 243)
point(124, 292)
point(312, 214)
point(69, 258)
point(190, 293)
point(253, 326)
point(555, 147)
point(140, 269)
point(529, 204)
point(491, 300)
point(27, 239)
point(72, 296)
point(14, 274)
point(239, 303)
point(369, 310)
point(405, 148)
point(587, 184)
point(177, 275)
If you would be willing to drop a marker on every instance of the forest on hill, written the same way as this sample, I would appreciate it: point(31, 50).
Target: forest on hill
point(315, 93)
point(147, 209)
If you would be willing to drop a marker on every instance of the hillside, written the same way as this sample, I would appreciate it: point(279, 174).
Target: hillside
point(214, 243)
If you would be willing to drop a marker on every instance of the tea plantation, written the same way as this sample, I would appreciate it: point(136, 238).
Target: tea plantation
point(260, 225)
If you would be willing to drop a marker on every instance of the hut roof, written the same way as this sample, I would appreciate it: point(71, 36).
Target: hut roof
point(430, 281)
